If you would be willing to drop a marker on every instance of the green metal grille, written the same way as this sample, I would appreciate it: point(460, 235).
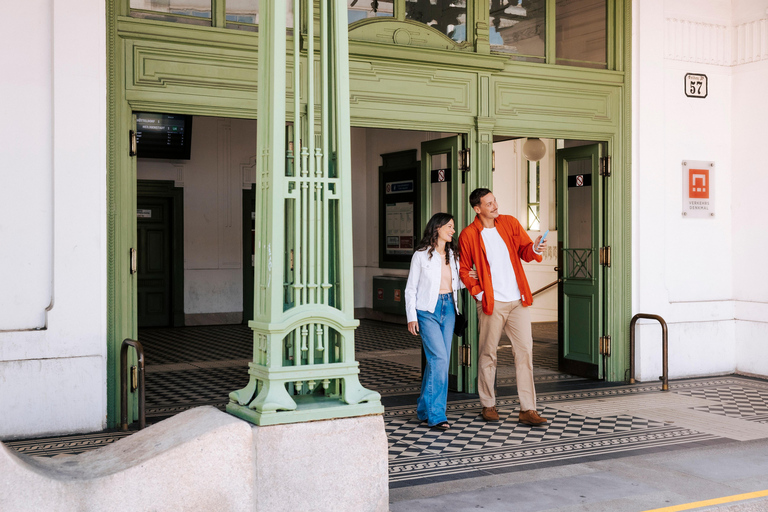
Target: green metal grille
point(578, 263)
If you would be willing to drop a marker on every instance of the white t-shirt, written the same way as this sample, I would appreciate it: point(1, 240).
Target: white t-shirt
point(505, 287)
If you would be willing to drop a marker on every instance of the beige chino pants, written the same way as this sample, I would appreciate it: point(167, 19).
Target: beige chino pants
point(514, 319)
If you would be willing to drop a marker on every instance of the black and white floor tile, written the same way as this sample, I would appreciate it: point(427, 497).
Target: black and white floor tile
point(195, 366)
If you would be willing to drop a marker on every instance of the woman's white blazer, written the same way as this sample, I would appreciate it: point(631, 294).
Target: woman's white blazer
point(423, 285)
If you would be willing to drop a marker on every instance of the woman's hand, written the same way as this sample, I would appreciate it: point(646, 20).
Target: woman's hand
point(413, 327)
point(473, 274)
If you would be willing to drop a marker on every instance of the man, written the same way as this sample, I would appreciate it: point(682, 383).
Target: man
point(495, 244)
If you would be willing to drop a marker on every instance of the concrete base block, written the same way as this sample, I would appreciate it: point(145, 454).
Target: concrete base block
point(206, 460)
point(333, 465)
point(201, 459)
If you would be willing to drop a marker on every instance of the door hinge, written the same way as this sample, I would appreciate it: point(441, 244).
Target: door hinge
point(465, 355)
point(605, 166)
point(605, 256)
point(464, 159)
point(605, 345)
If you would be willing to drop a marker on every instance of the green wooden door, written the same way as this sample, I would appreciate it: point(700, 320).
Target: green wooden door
point(249, 246)
point(442, 190)
point(154, 272)
point(580, 235)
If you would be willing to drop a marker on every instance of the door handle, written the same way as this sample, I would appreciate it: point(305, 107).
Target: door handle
point(133, 149)
point(133, 260)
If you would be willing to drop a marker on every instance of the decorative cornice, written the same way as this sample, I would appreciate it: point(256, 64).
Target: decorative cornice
point(716, 44)
point(750, 42)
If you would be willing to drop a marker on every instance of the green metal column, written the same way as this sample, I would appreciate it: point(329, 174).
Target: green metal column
point(304, 364)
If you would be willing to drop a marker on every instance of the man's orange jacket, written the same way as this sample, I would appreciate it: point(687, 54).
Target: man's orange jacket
point(473, 253)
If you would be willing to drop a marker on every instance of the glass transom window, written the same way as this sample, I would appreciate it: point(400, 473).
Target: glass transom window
point(447, 16)
point(519, 27)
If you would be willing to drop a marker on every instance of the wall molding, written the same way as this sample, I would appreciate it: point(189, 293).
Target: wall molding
point(179, 178)
point(248, 173)
point(717, 44)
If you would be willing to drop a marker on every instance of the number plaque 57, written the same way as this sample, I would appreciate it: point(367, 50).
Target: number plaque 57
point(696, 86)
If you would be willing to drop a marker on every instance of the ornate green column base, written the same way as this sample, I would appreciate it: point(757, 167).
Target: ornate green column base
point(274, 405)
point(308, 408)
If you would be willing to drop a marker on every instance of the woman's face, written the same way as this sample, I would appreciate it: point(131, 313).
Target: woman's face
point(446, 231)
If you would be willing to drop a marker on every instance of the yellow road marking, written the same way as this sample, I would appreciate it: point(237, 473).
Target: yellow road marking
point(716, 501)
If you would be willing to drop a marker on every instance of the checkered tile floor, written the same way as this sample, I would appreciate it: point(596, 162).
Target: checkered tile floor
point(195, 366)
point(199, 343)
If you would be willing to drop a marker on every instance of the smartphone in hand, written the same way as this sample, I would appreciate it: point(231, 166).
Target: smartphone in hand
point(542, 239)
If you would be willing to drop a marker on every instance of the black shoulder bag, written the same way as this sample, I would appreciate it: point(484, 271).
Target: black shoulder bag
point(461, 318)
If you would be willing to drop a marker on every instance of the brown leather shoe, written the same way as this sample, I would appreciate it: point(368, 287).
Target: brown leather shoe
point(531, 418)
point(490, 414)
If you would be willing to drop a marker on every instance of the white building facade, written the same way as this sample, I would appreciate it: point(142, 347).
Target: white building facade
point(701, 274)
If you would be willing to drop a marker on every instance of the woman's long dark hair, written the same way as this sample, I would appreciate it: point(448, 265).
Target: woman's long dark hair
point(429, 240)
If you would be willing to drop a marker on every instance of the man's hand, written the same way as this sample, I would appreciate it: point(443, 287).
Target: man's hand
point(413, 328)
point(540, 245)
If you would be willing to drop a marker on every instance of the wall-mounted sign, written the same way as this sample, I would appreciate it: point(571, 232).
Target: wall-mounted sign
point(399, 187)
point(698, 189)
point(696, 85)
point(143, 214)
point(440, 175)
point(580, 180)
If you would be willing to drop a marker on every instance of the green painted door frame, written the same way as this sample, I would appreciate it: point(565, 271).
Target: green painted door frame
point(417, 86)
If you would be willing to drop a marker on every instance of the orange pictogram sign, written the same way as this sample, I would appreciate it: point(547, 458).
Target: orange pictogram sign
point(698, 183)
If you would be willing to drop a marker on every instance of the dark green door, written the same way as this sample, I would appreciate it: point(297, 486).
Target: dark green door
point(580, 223)
point(154, 272)
point(442, 189)
point(249, 248)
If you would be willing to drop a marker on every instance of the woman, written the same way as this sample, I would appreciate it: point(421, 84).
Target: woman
point(430, 305)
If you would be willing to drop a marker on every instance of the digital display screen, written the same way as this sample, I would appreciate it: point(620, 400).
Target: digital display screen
point(163, 136)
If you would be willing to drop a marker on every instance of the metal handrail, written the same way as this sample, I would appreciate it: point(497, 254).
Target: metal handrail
point(550, 285)
point(664, 349)
point(124, 384)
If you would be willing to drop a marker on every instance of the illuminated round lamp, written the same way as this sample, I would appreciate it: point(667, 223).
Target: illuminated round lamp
point(534, 149)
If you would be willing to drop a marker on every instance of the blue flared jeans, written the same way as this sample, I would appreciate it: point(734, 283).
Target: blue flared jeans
point(436, 331)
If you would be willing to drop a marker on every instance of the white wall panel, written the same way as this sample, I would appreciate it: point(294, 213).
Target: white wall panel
point(750, 182)
point(53, 197)
point(52, 396)
point(26, 165)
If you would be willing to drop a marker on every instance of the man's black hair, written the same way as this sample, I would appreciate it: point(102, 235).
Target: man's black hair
point(477, 195)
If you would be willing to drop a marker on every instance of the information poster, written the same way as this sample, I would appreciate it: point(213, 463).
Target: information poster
point(398, 208)
point(399, 228)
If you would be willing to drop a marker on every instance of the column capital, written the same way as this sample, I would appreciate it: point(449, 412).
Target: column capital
point(485, 123)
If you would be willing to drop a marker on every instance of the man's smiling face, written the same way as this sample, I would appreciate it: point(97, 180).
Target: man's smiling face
point(487, 209)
